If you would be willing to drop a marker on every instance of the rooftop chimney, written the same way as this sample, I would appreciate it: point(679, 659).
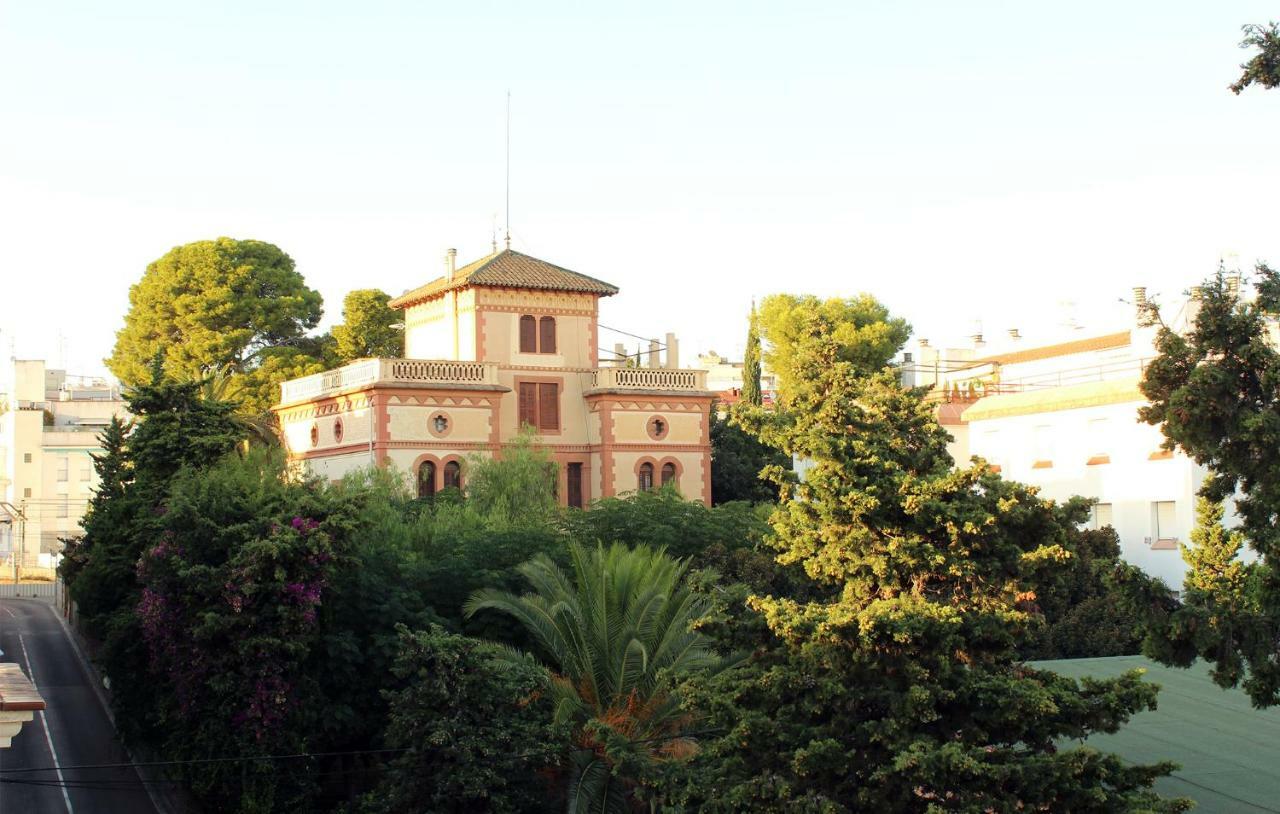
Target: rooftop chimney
point(673, 352)
point(1142, 308)
point(1014, 334)
point(977, 341)
point(924, 343)
point(450, 263)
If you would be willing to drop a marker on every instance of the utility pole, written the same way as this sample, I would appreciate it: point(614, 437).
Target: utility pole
point(20, 515)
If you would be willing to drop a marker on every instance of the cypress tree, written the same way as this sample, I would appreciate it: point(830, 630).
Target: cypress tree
point(751, 363)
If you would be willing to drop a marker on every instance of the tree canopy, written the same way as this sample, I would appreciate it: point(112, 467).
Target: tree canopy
point(1215, 393)
point(1264, 67)
point(212, 303)
point(858, 330)
point(370, 328)
point(901, 687)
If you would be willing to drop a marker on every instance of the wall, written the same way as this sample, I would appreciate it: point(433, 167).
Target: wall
point(443, 328)
point(1100, 452)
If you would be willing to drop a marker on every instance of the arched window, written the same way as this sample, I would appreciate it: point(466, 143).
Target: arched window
point(547, 335)
point(668, 473)
point(646, 477)
point(528, 334)
point(453, 475)
point(426, 479)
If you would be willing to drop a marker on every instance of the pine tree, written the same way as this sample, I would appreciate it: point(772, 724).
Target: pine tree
point(751, 362)
point(901, 688)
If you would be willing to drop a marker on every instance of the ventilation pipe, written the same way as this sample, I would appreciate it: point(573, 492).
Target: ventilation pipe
point(450, 263)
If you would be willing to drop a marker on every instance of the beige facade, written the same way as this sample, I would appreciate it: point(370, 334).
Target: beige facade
point(48, 434)
point(506, 342)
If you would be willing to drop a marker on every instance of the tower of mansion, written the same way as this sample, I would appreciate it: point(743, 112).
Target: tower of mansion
point(502, 343)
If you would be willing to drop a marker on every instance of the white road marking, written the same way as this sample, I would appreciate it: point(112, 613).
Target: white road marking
point(6, 610)
point(44, 725)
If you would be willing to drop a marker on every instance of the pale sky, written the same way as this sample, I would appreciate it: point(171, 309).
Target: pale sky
point(961, 161)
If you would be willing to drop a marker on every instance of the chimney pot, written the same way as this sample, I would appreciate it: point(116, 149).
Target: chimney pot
point(924, 343)
point(1014, 334)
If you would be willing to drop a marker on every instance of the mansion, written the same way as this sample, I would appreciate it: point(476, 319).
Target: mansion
point(501, 344)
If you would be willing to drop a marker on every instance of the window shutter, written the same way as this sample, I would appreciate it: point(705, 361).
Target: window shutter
point(547, 335)
point(528, 334)
point(645, 480)
point(528, 406)
point(574, 477)
point(548, 406)
point(668, 473)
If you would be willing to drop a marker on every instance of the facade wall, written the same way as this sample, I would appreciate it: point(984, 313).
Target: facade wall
point(483, 324)
point(48, 435)
point(443, 328)
point(1104, 453)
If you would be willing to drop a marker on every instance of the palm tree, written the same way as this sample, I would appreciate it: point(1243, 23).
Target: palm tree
point(618, 634)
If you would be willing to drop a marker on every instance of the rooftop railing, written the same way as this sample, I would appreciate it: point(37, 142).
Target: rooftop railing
point(648, 378)
point(388, 372)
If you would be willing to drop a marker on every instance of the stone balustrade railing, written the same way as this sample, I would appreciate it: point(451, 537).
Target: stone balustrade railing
point(648, 378)
point(389, 372)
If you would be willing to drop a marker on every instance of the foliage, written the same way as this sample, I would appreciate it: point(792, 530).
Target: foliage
point(857, 330)
point(737, 459)
point(618, 633)
point(901, 688)
point(662, 519)
point(1264, 67)
point(1214, 393)
point(751, 362)
point(516, 490)
point(212, 303)
point(370, 327)
point(475, 730)
point(1084, 614)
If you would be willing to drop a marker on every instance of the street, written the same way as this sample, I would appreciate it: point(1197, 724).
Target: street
point(73, 731)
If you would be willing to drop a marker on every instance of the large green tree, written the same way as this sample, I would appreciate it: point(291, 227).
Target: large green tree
point(1214, 390)
point(216, 304)
point(618, 635)
point(1264, 67)
point(901, 688)
point(370, 328)
point(858, 330)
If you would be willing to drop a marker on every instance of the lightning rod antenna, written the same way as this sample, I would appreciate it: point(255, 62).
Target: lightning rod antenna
point(508, 231)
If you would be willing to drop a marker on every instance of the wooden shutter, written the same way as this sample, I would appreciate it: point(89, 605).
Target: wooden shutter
point(528, 334)
point(453, 475)
point(548, 406)
point(668, 473)
point(645, 481)
point(574, 478)
point(528, 403)
point(547, 335)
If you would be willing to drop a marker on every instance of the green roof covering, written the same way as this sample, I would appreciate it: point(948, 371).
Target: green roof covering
point(1229, 751)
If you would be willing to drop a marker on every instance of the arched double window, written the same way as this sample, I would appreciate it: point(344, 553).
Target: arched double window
point(668, 473)
point(453, 475)
point(645, 477)
point(537, 335)
point(426, 479)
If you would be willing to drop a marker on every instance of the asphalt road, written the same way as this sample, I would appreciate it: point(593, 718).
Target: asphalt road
point(73, 731)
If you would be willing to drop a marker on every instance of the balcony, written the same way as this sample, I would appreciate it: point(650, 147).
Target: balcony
point(649, 379)
point(391, 372)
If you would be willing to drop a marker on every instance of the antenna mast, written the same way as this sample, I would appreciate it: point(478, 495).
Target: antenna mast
point(508, 234)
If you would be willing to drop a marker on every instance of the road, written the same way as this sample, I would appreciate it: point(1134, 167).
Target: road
point(73, 731)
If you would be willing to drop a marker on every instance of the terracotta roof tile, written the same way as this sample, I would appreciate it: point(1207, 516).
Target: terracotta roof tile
point(509, 269)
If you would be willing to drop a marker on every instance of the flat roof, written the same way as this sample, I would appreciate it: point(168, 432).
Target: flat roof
point(1229, 752)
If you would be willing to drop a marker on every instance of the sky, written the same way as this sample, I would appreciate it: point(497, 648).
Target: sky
point(969, 164)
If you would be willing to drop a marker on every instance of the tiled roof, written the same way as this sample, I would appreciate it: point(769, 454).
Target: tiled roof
point(508, 269)
point(1104, 342)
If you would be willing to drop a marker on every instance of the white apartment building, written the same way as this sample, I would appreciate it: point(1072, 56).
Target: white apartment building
point(725, 377)
point(1063, 416)
point(48, 430)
